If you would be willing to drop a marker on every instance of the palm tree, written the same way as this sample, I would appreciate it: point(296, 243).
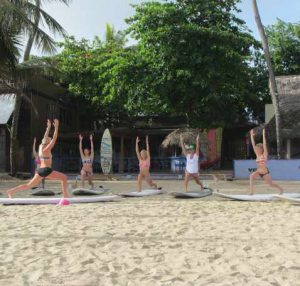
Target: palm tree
point(19, 18)
point(272, 81)
point(39, 16)
point(114, 38)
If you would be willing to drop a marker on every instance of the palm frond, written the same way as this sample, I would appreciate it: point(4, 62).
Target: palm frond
point(51, 23)
point(66, 2)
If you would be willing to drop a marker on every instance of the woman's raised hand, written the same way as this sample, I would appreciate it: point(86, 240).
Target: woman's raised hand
point(56, 123)
point(49, 123)
point(80, 137)
point(138, 139)
point(91, 137)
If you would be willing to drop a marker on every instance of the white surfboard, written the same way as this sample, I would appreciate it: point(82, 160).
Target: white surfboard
point(42, 192)
point(284, 197)
point(143, 193)
point(106, 152)
point(46, 201)
point(255, 198)
point(192, 195)
point(86, 192)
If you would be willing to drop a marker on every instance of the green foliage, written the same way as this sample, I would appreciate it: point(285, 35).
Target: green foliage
point(284, 41)
point(16, 23)
point(199, 53)
point(192, 58)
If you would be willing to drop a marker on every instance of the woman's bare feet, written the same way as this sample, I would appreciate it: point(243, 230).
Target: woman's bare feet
point(9, 194)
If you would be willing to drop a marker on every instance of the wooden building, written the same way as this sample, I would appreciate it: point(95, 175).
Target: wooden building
point(289, 105)
point(48, 100)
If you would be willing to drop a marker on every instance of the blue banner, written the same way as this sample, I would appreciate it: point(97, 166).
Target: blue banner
point(279, 169)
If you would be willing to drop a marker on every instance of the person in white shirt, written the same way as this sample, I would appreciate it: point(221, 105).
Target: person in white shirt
point(192, 162)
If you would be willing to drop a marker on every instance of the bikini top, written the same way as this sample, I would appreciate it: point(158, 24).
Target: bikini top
point(144, 163)
point(261, 160)
point(87, 161)
point(45, 157)
point(42, 156)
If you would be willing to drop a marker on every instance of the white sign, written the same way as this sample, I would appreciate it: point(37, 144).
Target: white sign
point(106, 152)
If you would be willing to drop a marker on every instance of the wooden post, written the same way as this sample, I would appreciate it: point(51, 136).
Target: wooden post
point(288, 149)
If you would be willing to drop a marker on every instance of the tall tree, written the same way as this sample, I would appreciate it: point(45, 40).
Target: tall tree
point(198, 52)
point(272, 81)
point(192, 58)
point(39, 16)
point(284, 42)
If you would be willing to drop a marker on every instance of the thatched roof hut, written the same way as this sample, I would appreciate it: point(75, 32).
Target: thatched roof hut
point(189, 137)
point(289, 104)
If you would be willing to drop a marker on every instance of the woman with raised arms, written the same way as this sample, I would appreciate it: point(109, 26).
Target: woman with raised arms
point(144, 165)
point(87, 158)
point(45, 168)
point(261, 152)
point(192, 162)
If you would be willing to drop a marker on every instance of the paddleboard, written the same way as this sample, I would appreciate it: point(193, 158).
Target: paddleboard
point(42, 192)
point(192, 195)
point(46, 201)
point(86, 192)
point(143, 193)
point(284, 197)
point(106, 152)
point(255, 198)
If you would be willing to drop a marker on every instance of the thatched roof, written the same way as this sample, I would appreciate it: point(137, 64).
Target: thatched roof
point(189, 137)
point(289, 104)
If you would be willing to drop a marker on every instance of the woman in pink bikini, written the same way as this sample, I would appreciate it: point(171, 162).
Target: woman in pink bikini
point(262, 171)
point(144, 164)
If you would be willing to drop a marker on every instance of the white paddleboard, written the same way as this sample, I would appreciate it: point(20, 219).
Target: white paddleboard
point(41, 192)
point(284, 197)
point(143, 193)
point(46, 201)
point(192, 195)
point(86, 192)
point(254, 198)
point(106, 152)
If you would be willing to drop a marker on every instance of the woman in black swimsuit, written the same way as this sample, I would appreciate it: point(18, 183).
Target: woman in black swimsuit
point(45, 169)
point(261, 152)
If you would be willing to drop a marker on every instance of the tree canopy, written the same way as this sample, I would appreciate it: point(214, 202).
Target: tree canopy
point(192, 58)
point(284, 41)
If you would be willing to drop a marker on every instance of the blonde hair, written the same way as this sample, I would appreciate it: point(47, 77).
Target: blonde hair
point(46, 140)
point(260, 145)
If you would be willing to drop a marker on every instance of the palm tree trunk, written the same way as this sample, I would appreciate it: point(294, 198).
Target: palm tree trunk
point(272, 81)
point(14, 135)
point(32, 35)
point(29, 46)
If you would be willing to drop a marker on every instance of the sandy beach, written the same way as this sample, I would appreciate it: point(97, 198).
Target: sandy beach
point(152, 241)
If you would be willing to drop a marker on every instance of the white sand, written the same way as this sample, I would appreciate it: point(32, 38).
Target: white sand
point(152, 241)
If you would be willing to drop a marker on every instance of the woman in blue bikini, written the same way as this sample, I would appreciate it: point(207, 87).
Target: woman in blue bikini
point(87, 158)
